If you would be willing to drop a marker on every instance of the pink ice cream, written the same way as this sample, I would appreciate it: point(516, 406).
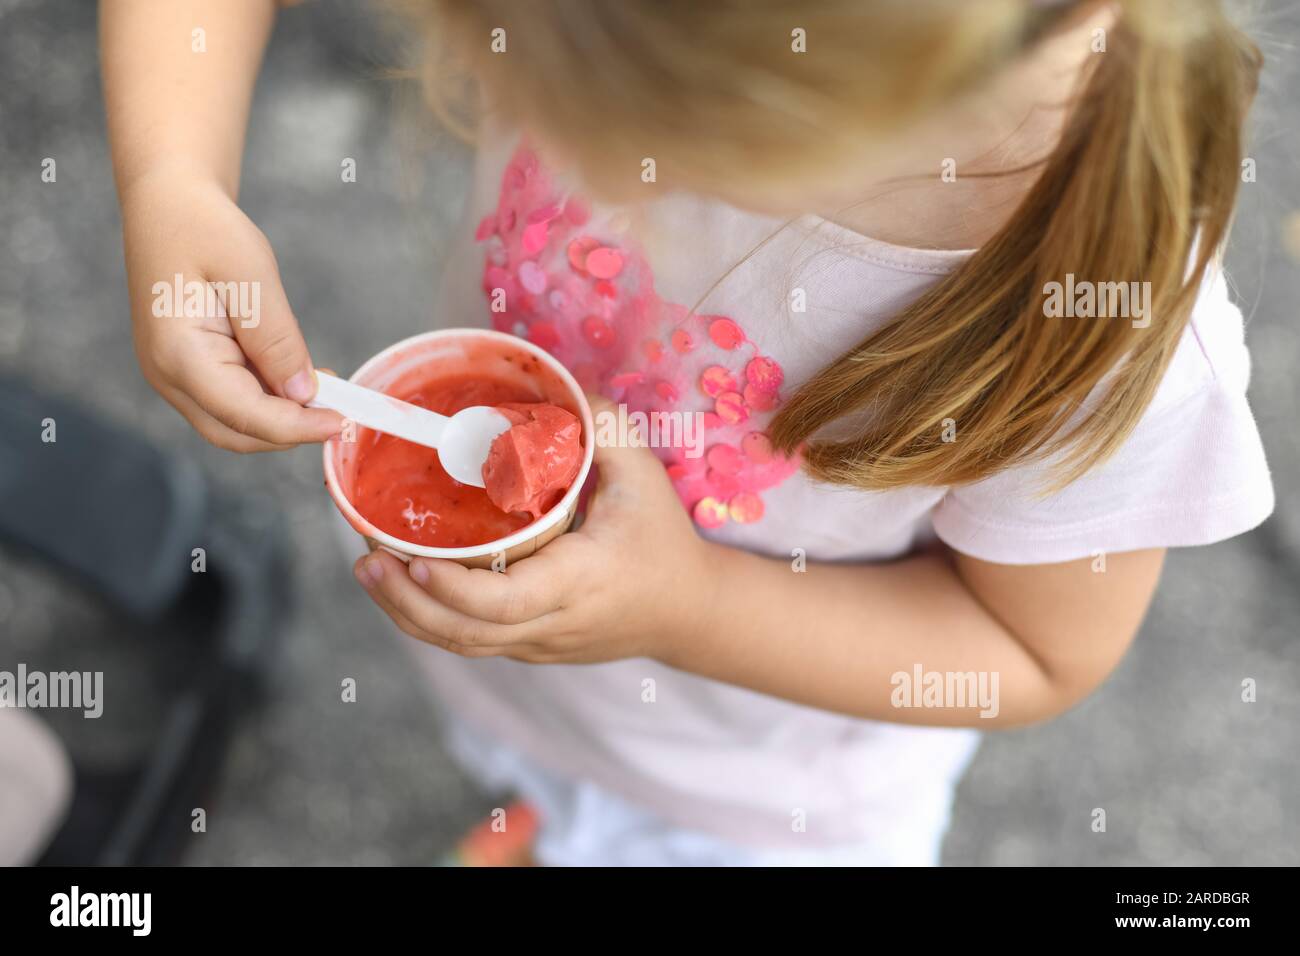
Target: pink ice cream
point(531, 466)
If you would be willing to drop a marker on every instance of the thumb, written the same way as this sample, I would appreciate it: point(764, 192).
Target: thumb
point(269, 336)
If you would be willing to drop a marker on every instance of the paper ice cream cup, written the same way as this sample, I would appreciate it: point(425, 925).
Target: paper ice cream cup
point(458, 351)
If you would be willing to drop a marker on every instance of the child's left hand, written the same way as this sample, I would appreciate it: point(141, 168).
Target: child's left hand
point(633, 581)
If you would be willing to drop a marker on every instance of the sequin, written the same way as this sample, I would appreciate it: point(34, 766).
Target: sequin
point(710, 513)
point(604, 262)
point(731, 408)
point(605, 321)
point(722, 486)
point(576, 211)
point(532, 277)
point(725, 333)
point(534, 238)
point(764, 374)
point(626, 379)
point(544, 214)
point(715, 380)
point(544, 335)
point(757, 447)
point(724, 459)
point(745, 507)
point(577, 253)
point(759, 401)
point(598, 332)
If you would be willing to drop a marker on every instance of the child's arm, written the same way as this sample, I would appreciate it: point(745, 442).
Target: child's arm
point(834, 636)
point(178, 102)
point(636, 581)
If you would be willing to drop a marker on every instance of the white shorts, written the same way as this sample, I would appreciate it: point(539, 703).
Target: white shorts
point(582, 824)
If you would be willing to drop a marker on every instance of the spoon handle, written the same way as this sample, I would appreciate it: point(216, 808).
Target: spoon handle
point(381, 412)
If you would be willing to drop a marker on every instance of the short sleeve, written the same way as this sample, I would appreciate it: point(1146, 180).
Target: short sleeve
point(1192, 472)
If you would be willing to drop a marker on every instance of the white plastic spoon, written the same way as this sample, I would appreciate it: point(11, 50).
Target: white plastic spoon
point(462, 441)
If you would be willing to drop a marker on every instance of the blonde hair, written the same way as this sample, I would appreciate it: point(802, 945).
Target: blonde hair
point(1140, 187)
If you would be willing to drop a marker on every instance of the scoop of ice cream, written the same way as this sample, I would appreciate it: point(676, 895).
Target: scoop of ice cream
point(532, 465)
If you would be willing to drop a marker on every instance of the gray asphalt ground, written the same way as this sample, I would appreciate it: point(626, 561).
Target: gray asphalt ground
point(1187, 772)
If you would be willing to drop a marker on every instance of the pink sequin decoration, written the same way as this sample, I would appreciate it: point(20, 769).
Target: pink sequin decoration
point(532, 277)
point(576, 211)
point(759, 401)
point(730, 407)
point(543, 335)
point(666, 390)
point(764, 374)
point(725, 459)
point(534, 238)
point(577, 253)
point(544, 214)
point(717, 380)
point(604, 262)
point(745, 507)
point(576, 288)
point(626, 379)
point(710, 513)
point(726, 334)
point(722, 486)
point(757, 447)
point(598, 332)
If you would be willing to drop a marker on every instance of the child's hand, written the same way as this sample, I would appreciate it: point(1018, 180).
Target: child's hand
point(240, 381)
point(633, 581)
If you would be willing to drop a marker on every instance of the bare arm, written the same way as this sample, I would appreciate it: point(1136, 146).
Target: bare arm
point(835, 636)
point(170, 105)
point(178, 81)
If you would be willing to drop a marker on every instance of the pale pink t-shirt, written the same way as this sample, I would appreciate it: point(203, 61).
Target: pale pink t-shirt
point(611, 294)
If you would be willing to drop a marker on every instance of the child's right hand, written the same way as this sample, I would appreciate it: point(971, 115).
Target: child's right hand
point(241, 382)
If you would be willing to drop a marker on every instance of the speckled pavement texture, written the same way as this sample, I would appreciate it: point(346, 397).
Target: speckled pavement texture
point(1187, 772)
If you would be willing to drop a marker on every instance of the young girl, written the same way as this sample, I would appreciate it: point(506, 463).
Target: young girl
point(940, 278)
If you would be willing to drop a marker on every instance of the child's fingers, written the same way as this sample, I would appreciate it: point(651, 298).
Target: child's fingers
point(404, 624)
point(524, 652)
point(230, 393)
point(212, 430)
point(523, 593)
point(387, 578)
point(272, 339)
